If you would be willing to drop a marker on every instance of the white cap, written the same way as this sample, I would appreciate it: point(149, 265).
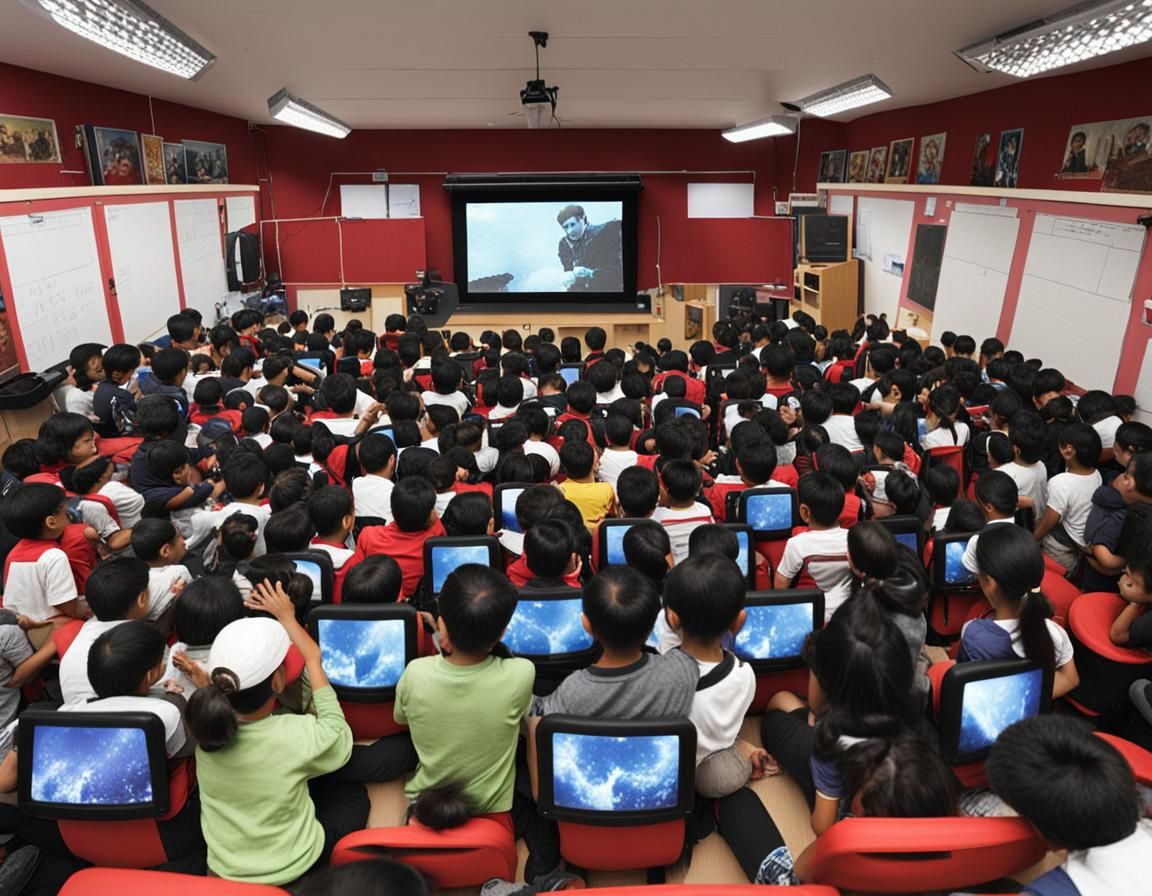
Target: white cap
point(250, 650)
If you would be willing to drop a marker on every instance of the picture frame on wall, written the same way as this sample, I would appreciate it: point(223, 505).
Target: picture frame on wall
point(858, 167)
point(1115, 151)
point(1130, 165)
point(983, 162)
point(931, 159)
point(899, 161)
point(113, 156)
point(153, 150)
point(175, 167)
point(24, 139)
point(832, 166)
point(206, 163)
point(1008, 158)
point(693, 322)
point(877, 164)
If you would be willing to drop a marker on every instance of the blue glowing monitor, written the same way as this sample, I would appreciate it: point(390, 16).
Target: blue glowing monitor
point(84, 766)
point(683, 411)
point(385, 430)
point(601, 773)
point(311, 569)
point(508, 499)
point(769, 513)
point(954, 571)
point(743, 556)
point(570, 374)
point(774, 631)
point(363, 653)
point(614, 542)
point(446, 558)
point(547, 627)
point(314, 363)
point(990, 705)
point(908, 539)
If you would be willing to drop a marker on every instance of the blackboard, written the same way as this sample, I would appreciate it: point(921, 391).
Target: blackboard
point(927, 258)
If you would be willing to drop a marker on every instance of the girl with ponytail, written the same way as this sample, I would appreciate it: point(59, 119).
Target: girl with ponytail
point(943, 430)
point(1011, 570)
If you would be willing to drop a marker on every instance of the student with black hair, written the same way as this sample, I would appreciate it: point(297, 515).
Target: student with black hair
point(841, 465)
point(1011, 570)
point(680, 511)
point(595, 500)
point(755, 463)
point(648, 550)
point(1060, 530)
point(550, 558)
point(158, 544)
point(618, 454)
point(374, 580)
point(372, 491)
point(943, 487)
point(1078, 792)
point(468, 513)
point(436, 420)
point(114, 400)
point(414, 521)
point(256, 423)
point(996, 495)
point(1104, 532)
point(840, 426)
point(288, 531)
point(246, 479)
point(1029, 437)
point(821, 501)
point(331, 510)
point(445, 390)
point(98, 512)
point(205, 608)
point(638, 492)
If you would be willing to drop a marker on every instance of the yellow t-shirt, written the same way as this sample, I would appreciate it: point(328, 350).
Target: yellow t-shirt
point(593, 499)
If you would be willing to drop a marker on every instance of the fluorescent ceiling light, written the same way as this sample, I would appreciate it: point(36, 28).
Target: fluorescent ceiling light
point(842, 97)
point(1074, 35)
point(132, 29)
point(774, 126)
point(301, 114)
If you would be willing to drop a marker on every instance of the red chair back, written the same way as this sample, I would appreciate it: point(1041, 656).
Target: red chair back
point(1106, 671)
point(124, 882)
point(910, 855)
point(467, 856)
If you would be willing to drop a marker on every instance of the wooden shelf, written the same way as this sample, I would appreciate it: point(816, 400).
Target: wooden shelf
point(828, 292)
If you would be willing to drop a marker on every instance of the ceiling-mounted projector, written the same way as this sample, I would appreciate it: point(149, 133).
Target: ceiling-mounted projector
point(537, 98)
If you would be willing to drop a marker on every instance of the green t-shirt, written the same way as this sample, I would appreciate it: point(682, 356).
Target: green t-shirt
point(257, 815)
point(465, 721)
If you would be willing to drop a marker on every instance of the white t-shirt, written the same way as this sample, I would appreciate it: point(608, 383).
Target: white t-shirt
point(680, 523)
point(129, 502)
point(1120, 867)
point(610, 396)
point(863, 383)
point(76, 401)
point(969, 558)
point(718, 711)
point(35, 588)
point(1060, 640)
point(1070, 495)
point(940, 517)
point(443, 499)
point(545, 450)
point(169, 714)
point(500, 412)
point(96, 515)
point(834, 578)
point(1032, 482)
point(940, 437)
point(456, 400)
point(1106, 429)
point(206, 521)
point(74, 684)
point(372, 496)
point(613, 463)
point(165, 583)
point(841, 430)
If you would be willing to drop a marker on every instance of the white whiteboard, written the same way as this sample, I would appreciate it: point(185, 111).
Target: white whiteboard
point(720, 200)
point(974, 274)
point(1077, 290)
point(143, 266)
point(404, 200)
point(240, 212)
point(364, 200)
point(883, 227)
point(57, 286)
point(201, 255)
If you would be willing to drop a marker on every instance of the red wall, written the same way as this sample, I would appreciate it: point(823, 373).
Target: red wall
point(1046, 108)
point(72, 103)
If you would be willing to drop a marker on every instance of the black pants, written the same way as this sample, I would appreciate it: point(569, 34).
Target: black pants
point(788, 737)
point(341, 808)
point(748, 829)
point(383, 760)
point(541, 836)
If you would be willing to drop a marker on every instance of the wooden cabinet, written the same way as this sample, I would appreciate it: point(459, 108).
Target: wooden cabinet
point(828, 292)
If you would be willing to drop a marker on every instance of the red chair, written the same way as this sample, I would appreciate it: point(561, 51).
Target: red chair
point(1060, 593)
point(1139, 759)
point(620, 792)
point(911, 855)
point(952, 455)
point(125, 882)
point(1106, 671)
point(467, 856)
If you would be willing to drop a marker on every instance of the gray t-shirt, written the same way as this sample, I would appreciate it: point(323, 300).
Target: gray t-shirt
point(14, 649)
point(654, 687)
point(915, 630)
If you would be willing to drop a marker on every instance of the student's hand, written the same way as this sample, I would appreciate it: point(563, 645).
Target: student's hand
point(218, 488)
point(868, 480)
point(27, 624)
point(92, 535)
point(196, 673)
point(271, 599)
point(582, 272)
point(461, 474)
point(170, 687)
point(178, 586)
point(787, 414)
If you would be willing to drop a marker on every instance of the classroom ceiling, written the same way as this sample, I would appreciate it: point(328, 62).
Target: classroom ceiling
point(618, 63)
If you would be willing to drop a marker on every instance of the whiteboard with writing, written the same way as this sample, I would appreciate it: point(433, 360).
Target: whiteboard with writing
point(201, 255)
point(143, 267)
point(883, 227)
point(57, 287)
point(1077, 290)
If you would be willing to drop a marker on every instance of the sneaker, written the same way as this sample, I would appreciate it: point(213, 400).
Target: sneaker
point(1140, 693)
point(558, 880)
point(18, 869)
point(499, 887)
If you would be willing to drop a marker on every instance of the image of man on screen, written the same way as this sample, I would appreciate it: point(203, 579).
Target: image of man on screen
point(590, 253)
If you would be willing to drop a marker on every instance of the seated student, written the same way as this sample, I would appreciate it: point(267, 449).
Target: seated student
point(246, 479)
point(288, 531)
point(680, 512)
point(1029, 437)
point(550, 559)
point(964, 516)
point(205, 607)
point(755, 465)
point(704, 602)
point(1106, 520)
point(996, 495)
point(414, 521)
point(581, 396)
point(887, 452)
point(470, 764)
point(235, 542)
point(442, 472)
point(648, 550)
point(256, 423)
point(437, 419)
point(446, 388)
point(39, 581)
point(638, 492)
point(943, 428)
point(595, 500)
point(821, 501)
point(469, 513)
point(1011, 570)
point(286, 818)
point(1078, 792)
point(117, 591)
point(1098, 410)
point(113, 403)
point(208, 404)
point(606, 381)
point(841, 465)
point(96, 511)
point(372, 492)
point(159, 545)
point(907, 496)
point(618, 455)
point(943, 487)
point(509, 394)
point(330, 509)
point(840, 426)
point(172, 490)
point(169, 368)
point(1132, 627)
point(1060, 530)
point(375, 580)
